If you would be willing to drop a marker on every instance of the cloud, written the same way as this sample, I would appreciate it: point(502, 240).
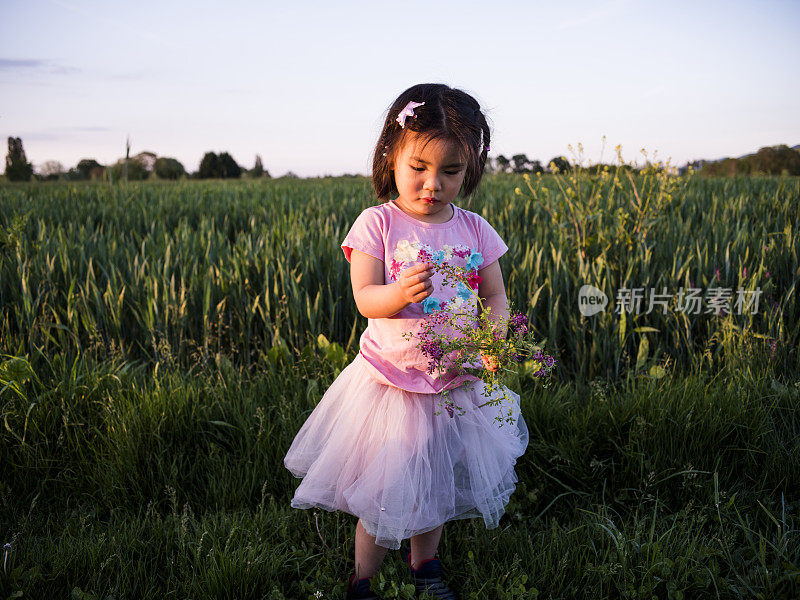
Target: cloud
point(11, 63)
point(61, 133)
point(88, 128)
point(35, 64)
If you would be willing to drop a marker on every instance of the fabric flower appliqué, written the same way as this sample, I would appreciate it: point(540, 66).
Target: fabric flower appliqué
point(463, 292)
point(456, 302)
point(431, 304)
point(461, 250)
point(396, 268)
point(475, 260)
point(405, 251)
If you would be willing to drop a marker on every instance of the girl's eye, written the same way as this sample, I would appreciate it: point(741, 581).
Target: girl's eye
point(446, 172)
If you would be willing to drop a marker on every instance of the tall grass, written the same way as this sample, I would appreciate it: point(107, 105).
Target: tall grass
point(123, 484)
point(200, 272)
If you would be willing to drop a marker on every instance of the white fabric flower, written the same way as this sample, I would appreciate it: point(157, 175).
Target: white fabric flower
point(405, 252)
point(456, 302)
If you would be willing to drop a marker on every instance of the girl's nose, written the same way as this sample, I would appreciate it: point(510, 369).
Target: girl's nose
point(432, 183)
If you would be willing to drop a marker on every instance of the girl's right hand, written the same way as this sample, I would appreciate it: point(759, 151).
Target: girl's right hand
point(415, 282)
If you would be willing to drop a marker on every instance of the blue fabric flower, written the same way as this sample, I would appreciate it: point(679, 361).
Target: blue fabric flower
point(438, 257)
point(474, 261)
point(430, 304)
point(464, 291)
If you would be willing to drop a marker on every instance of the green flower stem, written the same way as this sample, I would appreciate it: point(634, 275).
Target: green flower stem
point(461, 275)
point(492, 317)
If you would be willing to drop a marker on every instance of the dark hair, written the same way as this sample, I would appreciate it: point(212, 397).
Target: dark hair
point(447, 114)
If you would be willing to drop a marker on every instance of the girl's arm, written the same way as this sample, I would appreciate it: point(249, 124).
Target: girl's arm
point(492, 292)
point(377, 300)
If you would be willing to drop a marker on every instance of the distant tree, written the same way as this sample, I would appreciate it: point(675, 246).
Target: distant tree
point(51, 170)
point(125, 164)
point(228, 168)
point(209, 166)
point(168, 168)
point(148, 159)
point(536, 167)
point(772, 160)
point(136, 168)
point(503, 164)
point(258, 168)
point(520, 163)
point(89, 168)
point(719, 168)
point(561, 164)
point(290, 175)
point(17, 166)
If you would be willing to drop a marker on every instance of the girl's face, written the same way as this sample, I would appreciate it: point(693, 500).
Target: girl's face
point(428, 179)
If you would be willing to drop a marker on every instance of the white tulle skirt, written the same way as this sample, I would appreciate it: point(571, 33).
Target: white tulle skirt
point(380, 453)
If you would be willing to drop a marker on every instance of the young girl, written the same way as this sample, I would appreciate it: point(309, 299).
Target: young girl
point(373, 447)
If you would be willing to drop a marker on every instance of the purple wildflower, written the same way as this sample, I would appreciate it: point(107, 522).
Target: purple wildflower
point(432, 349)
point(518, 321)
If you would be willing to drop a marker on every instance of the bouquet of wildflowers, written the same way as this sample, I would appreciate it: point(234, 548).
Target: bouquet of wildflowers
point(482, 340)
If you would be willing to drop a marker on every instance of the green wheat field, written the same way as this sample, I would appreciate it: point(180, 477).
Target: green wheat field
point(161, 344)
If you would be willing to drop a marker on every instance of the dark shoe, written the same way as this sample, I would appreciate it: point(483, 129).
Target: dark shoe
point(359, 590)
point(427, 578)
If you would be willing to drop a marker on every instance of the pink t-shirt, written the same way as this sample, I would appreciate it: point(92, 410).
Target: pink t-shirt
point(389, 234)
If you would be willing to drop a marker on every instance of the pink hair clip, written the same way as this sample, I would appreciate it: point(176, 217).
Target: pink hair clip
point(487, 148)
point(408, 111)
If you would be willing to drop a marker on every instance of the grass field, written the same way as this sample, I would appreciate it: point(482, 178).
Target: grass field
point(162, 344)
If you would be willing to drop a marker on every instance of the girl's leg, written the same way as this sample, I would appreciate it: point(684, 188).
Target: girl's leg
point(424, 545)
point(369, 555)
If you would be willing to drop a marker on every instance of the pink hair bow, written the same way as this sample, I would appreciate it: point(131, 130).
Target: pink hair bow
point(408, 111)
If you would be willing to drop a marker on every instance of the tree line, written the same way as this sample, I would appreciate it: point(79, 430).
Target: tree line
point(142, 166)
point(770, 160)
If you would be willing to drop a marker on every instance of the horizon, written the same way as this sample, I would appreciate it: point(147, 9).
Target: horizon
point(307, 86)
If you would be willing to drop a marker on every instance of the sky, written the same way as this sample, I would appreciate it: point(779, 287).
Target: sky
point(307, 85)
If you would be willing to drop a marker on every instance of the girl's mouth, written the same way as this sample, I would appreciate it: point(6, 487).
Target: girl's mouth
point(429, 200)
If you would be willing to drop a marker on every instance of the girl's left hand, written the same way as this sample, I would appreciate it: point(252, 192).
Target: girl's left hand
point(490, 363)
